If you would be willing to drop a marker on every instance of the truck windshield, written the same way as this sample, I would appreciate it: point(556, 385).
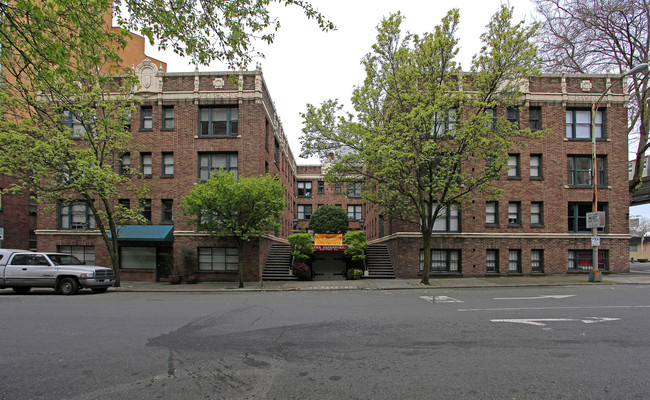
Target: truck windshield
point(64, 259)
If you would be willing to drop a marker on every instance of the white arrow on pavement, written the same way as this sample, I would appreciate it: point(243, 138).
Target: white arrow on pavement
point(548, 296)
point(541, 321)
point(440, 299)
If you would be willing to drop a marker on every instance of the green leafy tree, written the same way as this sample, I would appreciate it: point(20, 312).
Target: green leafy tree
point(329, 219)
point(244, 208)
point(424, 133)
point(598, 36)
point(65, 98)
point(357, 245)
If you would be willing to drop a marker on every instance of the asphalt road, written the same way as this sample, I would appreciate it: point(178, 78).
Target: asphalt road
point(583, 342)
point(640, 267)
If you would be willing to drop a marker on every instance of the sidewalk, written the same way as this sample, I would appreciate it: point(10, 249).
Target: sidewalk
point(386, 284)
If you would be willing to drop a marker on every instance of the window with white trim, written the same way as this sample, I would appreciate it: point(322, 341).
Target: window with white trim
point(514, 261)
point(578, 124)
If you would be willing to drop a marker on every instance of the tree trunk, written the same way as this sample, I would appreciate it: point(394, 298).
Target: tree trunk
point(426, 245)
point(240, 245)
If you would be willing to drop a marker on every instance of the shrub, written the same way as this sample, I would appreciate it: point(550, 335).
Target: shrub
point(354, 273)
point(302, 271)
point(357, 244)
point(329, 219)
point(302, 247)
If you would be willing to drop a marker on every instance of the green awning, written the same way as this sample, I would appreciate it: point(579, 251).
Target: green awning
point(145, 233)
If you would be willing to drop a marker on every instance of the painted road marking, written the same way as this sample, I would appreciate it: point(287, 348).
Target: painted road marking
point(549, 296)
point(542, 321)
point(440, 299)
point(549, 308)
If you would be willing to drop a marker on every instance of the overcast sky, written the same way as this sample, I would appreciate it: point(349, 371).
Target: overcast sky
point(305, 65)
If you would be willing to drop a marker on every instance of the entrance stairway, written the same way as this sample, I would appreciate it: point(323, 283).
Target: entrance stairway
point(378, 262)
point(278, 263)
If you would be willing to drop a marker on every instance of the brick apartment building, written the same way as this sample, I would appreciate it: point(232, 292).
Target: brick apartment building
point(17, 219)
point(189, 123)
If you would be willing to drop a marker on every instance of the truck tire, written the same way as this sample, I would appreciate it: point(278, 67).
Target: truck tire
point(68, 286)
point(99, 290)
point(21, 289)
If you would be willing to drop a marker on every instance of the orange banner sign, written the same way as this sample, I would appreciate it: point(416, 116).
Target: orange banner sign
point(328, 239)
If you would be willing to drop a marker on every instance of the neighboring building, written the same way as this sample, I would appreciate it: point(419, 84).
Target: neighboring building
point(190, 123)
point(17, 219)
point(639, 249)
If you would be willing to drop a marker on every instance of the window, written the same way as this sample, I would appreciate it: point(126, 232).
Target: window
point(512, 115)
point(535, 118)
point(75, 215)
point(33, 205)
point(578, 216)
point(125, 163)
point(535, 166)
point(145, 204)
point(167, 210)
point(492, 261)
point(537, 213)
point(513, 166)
point(85, 254)
point(514, 261)
point(582, 260)
point(492, 117)
point(578, 124)
point(218, 121)
point(537, 261)
point(73, 122)
point(337, 188)
point(276, 152)
point(168, 117)
point(634, 247)
point(447, 219)
point(304, 188)
point(355, 212)
point(354, 189)
point(125, 203)
point(32, 241)
point(444, 122)
point(304, 211)
point(168, 164)
point(146, 164)
point(219, 259)
point(492, 213)
point(209, 162)
point(442, 261)
point(514, 213)
point(321, 187)
point(579, 170)
point(146, 117)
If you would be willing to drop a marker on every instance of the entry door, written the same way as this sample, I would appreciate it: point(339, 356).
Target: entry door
point(164, 260)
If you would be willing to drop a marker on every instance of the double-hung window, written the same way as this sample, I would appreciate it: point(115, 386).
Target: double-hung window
point(445, 122)
point(73, 122)
point(514, 213)
point(211, 161)
point(146, 164)
point(85, 254)
point(125, 163)
point(492, 213)
point(447, 219)
point(582, 260)
point(577, 216)
point(354, 189)
point(536, 213)
point(304, 189)
point(146, 117)
point(442, 261)
point(513, 166)
point(492, 261)
point(535, 118)
point(304, 211)
point(537, 261)
point(355, 212)
point(579, 170)
point(168, 164)
point(512, 115)
point(536, 166)
point(514, 261)
point(321, 187)
point(218, 121)
point(168, 117)
point(145, 205)
point(75, 215)
point(578, 124)
point(167, 210)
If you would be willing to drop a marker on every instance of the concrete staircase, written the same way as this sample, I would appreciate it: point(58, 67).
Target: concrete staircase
point(278, 263)
point(378, 262)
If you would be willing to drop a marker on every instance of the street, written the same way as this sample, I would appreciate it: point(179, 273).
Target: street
point(570, 342)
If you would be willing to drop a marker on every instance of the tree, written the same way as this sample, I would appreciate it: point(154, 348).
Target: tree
point(596, 36)
point(66, 100)
point(244, 208)
point(425, 135)
point(329, 219)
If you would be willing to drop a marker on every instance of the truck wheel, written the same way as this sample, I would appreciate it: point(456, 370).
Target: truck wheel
point(21, 289)
point(99, 290)
point(68, 286)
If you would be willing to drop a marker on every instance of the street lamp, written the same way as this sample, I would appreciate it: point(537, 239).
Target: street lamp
point(594, 274)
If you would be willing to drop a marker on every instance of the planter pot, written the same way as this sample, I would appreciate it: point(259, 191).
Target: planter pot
point(175, 279)
point(191, 279)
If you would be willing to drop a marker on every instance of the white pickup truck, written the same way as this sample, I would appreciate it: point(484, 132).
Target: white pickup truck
point(22, 270)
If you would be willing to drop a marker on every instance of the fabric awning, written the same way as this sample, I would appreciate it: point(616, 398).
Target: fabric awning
point(145, 233)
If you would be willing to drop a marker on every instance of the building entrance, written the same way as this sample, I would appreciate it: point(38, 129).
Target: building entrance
point(328, 265)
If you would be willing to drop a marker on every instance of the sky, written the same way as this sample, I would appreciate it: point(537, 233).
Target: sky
point(307, 66)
